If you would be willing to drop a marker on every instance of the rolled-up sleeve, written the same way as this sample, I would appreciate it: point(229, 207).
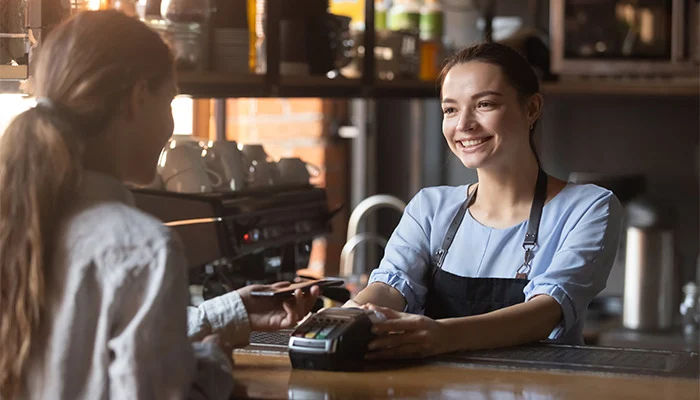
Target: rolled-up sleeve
point(580, 267)
point(406, 258)
point(224, 315)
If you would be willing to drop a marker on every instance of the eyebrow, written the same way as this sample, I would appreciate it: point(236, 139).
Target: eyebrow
point(475, 96)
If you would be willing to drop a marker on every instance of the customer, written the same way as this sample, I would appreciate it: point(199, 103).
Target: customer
point(517, 262)
point(93, 292)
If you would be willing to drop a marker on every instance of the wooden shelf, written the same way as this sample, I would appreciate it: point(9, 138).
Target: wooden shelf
point(222, 85)
point(624, 87)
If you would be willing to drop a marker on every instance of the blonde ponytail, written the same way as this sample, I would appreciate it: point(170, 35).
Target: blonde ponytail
point(38, 170)
point(86, 69)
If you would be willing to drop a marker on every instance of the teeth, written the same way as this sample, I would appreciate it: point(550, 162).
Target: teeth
point(472, 142)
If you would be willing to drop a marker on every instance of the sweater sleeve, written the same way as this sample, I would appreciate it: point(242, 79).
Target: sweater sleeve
point(151, 354)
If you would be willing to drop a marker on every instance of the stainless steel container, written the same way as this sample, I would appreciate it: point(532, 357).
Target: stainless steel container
point(649, 271)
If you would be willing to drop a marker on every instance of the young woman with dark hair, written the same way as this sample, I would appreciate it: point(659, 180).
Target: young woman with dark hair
point(512, 259)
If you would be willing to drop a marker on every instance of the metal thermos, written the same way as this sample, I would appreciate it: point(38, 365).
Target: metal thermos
point(649, 269)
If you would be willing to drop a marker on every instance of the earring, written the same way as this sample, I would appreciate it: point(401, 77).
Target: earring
point(532, 126)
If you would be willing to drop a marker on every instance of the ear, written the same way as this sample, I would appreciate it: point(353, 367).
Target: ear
point(136, 99)
point(534, 108)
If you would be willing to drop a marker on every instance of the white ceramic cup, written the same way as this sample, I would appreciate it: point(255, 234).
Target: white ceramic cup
point(295, 171)
point(227, 161)
point(262, 171)
point(182, 170)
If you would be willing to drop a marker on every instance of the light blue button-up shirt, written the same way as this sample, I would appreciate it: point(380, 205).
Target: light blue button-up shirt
point(576, 246)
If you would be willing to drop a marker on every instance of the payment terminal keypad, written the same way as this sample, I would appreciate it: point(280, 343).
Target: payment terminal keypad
point(333, 339)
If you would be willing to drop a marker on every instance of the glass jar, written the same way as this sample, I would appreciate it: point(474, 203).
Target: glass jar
point(185, 11)
point(186, 41)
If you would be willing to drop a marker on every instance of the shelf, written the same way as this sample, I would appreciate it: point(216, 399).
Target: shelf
point(221, 85)
point(624, 87)
point(316, 86)
point(406, 89)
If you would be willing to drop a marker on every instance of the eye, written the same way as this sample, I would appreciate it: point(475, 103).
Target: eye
point(449, 110)
point(485, 104)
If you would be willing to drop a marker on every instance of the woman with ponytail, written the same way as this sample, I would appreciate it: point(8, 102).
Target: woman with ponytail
point(93, 296)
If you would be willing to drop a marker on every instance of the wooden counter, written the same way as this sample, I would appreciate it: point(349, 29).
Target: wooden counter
point(270, 376)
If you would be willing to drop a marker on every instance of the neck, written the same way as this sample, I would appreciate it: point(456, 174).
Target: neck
point(102, 154)
point(509, 187)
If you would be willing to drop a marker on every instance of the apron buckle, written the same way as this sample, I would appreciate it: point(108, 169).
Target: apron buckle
point(524, 269)
point(440, 257)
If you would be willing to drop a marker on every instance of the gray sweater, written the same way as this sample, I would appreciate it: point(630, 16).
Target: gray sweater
point(116, 322)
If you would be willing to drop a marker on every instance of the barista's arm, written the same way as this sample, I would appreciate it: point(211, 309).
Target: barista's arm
point(381, 294)
point(415, 335)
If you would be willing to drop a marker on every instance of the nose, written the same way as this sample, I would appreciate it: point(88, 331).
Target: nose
point(466, 121)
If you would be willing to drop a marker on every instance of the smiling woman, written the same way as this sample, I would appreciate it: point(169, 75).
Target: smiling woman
point(515, 263)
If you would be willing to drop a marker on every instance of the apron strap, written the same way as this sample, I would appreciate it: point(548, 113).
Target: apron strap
point(533, 223)
point(441, 253)
point(533, 226)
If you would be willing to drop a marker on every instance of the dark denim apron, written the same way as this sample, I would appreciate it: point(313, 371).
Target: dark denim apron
point(450, 295)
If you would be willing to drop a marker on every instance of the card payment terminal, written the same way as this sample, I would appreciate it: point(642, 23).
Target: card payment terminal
point(334, 339)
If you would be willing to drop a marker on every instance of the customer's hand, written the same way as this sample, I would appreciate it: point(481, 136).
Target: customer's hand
point(404, 335)
point(272, 313)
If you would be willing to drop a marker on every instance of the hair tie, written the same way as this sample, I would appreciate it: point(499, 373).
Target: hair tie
point(57, 114)
point(46, 103)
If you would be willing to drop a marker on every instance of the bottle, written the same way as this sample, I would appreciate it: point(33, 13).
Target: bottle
point(404, 15)
point(252, 38)
point(431, 21)
point(380, 15)
point(260, 41)
point(431, 30)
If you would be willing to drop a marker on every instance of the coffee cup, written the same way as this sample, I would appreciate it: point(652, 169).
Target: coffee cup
point(262, 173)
point(295, 171)
point(224, 158)
point(254, 152)
point(182, 169)
point(261, 170)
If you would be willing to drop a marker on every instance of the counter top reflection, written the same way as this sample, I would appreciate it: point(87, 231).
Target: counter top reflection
point(270, 376)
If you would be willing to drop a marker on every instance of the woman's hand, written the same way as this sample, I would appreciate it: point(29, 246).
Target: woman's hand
point(273, 313)
point(351, 303)
point(405, 335)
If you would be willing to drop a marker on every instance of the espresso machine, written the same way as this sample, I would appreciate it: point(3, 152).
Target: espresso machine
point(232, 239)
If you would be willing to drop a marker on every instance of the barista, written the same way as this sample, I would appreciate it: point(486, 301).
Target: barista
point(512, 259)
